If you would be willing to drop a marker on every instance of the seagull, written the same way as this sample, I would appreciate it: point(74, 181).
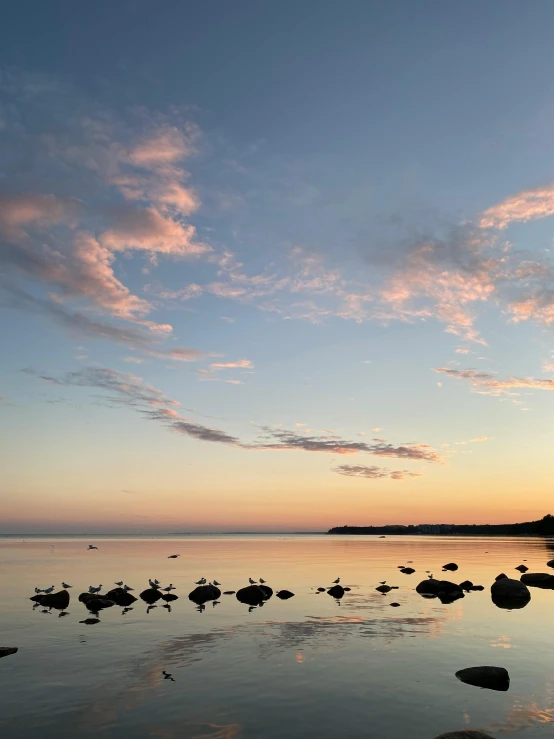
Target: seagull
point(174, 556)
point(94, 590)
point(336, 582)
point(168, 676)
point(91, 546)
point(202, 581)
point(38, 590)
point(216, 583)
point(383, 582)
point(65, 585)
point(157, 581)
point(154, 584)
point(252, 582)
point(120, 583)
point(126, 588)
point(169, 588)
point(262, 580)
point(48, 590)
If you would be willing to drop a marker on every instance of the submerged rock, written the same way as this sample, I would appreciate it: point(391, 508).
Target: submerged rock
point(321, 590)
point(466, 585)
point(451, 566)
point(120, 597)
point(337, 591)
point(253, 595)
point(521, 568)
point(491, 678)
point(150, 595)
point(502, 576)
point(229, 592)
point(538, 580)
point(394, 605)
point(284, 594)
point(6, 651)
point(347, 590)
point(464, 734)
point(407, 570)
point(203, 593)
point(551, 563)
point(446, 598)
point(59, 600)
point(509, 594)
point(384, 588)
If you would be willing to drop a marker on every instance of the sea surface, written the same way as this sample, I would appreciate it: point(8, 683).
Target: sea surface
point(310, 666)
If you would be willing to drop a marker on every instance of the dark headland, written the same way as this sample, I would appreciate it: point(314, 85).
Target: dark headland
point(544, 527)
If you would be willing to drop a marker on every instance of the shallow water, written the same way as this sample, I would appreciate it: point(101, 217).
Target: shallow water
point(307, 667)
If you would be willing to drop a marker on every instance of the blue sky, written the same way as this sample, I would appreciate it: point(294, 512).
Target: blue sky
point(275, 264)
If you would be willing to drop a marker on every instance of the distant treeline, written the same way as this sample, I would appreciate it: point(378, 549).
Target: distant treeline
point(544, 527)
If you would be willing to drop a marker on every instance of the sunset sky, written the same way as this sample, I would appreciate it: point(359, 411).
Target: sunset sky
point(275, 265)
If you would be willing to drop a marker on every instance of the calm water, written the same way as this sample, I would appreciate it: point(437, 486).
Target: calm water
point(306, 667)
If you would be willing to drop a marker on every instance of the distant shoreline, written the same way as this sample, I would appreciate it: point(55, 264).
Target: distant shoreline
point(543, 527)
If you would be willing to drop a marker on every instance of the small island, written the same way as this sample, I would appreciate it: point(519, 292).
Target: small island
point(543, 527)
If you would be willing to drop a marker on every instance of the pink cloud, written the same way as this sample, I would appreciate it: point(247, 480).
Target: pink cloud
point(496, 386)
point(42, 211)
point(164, 146)
point(239, 364)
point(149, 230)
point(527, 205)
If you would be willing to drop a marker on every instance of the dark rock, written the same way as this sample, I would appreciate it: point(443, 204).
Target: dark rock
point(229, 592)
point(168, 597)
point(383, 588)
point(394, 605)
point(59, 600)
point(535, 580)
point(253, 595)
point(502, 576)
point(521, 568)
point(446, 598)
point(492, 678)
point(451, 566)
point(347, 590)
point(466, 585)
point(321, 590)
point(96, 604)
point(337, 591)
point(6, 651)
point(284, 594)
point(478, 587)
point(509, 594)
point(83, 597)
point(551, 563)
point(37, 597)
point(407, 570)
point(203, 593)
point(90, 621)
point(382, 537)
point(464, 734)
point(120, 597)
point(151, 595)
point(435, 587)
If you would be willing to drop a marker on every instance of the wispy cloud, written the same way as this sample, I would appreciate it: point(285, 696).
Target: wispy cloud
point(282, 439)
point(527, 205)
point(373, 473)
point(492, 383)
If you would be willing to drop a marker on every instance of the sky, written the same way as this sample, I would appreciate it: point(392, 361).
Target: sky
point(270, 265)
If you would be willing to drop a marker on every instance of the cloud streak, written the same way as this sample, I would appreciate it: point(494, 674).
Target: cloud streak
point(527, 205)
point(373, 472)
point(491, 382)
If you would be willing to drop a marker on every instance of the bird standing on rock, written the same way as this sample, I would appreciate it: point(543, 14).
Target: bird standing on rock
point(126, 588)
point(65, 585)
point(216, 583)
point(49, 590)
point(262, 581)
point(336, 582)
point(120, 583)
point(202, 581)
point(252, 582)
point(154, 584)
